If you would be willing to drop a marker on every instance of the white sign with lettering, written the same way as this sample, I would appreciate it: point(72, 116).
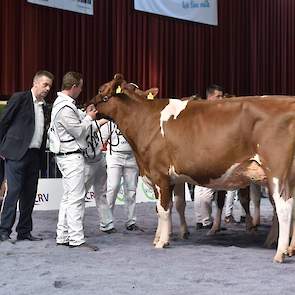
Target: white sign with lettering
point(81, 6)
point(50, 191)
point(201, 11)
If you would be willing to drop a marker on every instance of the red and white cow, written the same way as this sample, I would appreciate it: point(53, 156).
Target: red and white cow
point(224, 144)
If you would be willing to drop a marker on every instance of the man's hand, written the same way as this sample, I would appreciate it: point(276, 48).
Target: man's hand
point(91, 111)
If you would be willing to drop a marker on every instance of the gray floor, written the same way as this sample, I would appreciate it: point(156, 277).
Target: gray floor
point(232, 262)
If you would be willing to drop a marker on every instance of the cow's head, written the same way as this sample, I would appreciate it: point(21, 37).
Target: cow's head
point(109, 89)
point(119, 88)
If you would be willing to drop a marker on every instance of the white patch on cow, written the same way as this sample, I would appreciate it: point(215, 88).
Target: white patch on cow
point(164, 223)
point(179, 178)
point(256, 158)
point(171, 171)
point(173, 108)
point(284, 212)
point(159, 192)
point(276, 191)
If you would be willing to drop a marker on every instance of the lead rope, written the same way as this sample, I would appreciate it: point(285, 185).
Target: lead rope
point(108, 140)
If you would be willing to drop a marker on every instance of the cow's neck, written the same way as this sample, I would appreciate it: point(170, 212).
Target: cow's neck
point(127, 120)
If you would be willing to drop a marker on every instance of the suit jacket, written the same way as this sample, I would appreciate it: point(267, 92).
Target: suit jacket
point(17, 125)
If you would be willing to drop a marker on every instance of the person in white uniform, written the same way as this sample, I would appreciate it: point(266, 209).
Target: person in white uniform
point(230, 198)
point(67, 134)
point(96, 174)
point(121, 164)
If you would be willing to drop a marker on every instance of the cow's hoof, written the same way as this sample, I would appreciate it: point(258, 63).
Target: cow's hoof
point(212, 232)
point(249, 223)
point(156, 240)
point(184, 236)
point(291, 251)
point(161, 245)
point(253, 229)
point(270, 243)
point(279, 258)
point(249, 227)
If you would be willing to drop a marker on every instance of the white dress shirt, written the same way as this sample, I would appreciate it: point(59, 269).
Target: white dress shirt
point(39, 123)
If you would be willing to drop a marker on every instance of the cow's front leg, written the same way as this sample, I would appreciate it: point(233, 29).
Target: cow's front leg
point(291, 249)
point(158, 231)
point(255, 196)
point(220, 199)
point(284, 211)
point(272, 237)
point(164, 205)
point(179, 191)
point(159, 227)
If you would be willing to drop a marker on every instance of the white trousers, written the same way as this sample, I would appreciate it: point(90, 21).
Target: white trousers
point(122, 165)
point(203, 204)
point(230, 198)
point(96, 175)
point(72, 205)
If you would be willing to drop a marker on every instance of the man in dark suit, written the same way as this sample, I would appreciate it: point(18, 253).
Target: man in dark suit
point(22, 141)
point(1, 180)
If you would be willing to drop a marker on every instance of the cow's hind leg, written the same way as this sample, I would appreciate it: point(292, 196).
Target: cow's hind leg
point(284, 211)
point(180, 204)
point(244, 197)
point(291, 249)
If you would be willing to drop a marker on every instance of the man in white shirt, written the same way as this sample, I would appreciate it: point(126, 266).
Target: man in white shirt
point(96, 174)
point(22, 142)
point(121, 164)
point(71, 132)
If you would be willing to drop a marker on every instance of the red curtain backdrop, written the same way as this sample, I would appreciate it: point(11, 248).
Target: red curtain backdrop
point(251, 51)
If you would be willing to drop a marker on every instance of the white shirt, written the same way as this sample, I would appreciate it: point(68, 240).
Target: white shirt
point(94, 140)
point(71, 128)
point(118, 141)
point(39, 123)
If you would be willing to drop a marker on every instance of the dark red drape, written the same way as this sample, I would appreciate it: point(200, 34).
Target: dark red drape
point(251, 51)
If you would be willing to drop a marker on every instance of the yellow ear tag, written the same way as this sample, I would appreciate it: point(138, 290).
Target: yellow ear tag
point(150, 96)
point(119, 89)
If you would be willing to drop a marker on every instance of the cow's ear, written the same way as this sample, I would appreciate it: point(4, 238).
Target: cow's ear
point(118, 89)
point(117, 83)
point(153, 91)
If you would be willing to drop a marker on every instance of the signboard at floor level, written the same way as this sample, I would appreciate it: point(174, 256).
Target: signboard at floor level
point(50, 192)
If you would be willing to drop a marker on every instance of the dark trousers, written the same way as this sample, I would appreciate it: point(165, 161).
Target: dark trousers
point(22, 181)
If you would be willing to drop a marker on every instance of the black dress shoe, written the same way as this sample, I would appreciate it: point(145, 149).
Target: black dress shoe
point(85, 246)
point(4, 237)
point(200, 225)
point(28, 237)
point(243, 219)
point(133, 227)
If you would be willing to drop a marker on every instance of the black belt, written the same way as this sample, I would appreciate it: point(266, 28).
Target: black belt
point(69, 153)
